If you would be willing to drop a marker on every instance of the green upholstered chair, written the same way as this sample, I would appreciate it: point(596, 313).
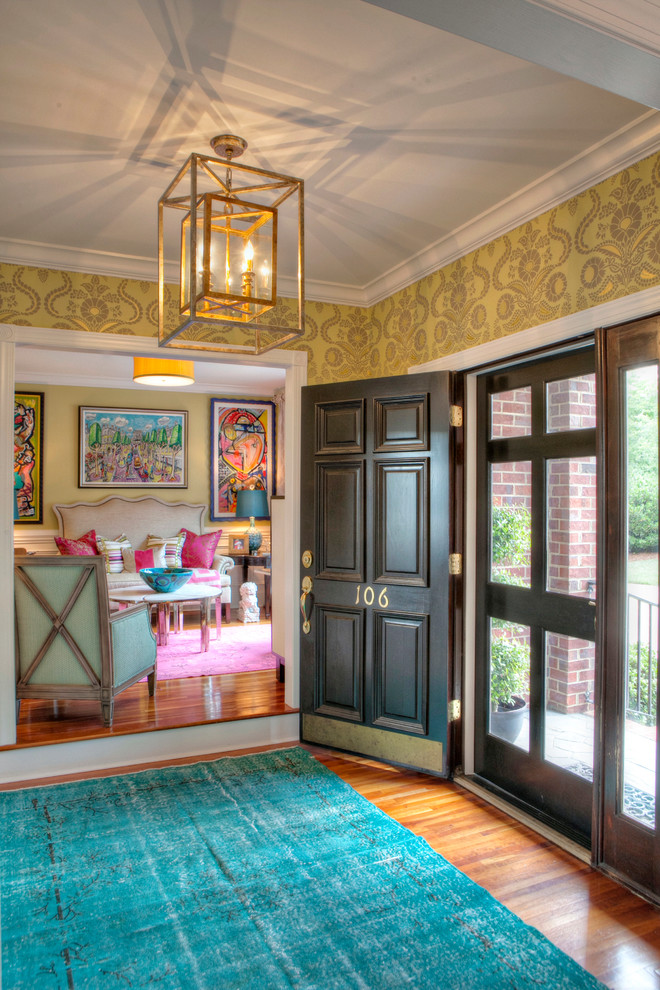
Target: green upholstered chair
point(68, 643)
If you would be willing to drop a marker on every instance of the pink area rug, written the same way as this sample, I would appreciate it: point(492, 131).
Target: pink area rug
point(241, 647)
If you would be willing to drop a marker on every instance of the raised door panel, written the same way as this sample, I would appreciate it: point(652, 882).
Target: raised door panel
point(401, 672)
point(340, 528)
point(401, 546)
point(401, 424)
point(340, 427)
point(340, 659)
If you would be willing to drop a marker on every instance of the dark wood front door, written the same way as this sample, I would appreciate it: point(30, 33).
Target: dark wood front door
point(374, 572)
point(535, 664)
point(629, 835)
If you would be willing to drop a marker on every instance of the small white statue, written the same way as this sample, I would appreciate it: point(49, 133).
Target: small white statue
point(248, 610)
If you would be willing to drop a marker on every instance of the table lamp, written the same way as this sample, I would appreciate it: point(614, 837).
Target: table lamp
point(252, 503)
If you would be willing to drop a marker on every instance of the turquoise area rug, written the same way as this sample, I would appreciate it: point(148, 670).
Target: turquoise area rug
point(261, 871)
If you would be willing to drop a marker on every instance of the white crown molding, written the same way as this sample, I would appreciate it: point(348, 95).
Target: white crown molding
point(69, 259)
point(627, 147)
point(608, 314)
point(335, 293)
point(634, 22)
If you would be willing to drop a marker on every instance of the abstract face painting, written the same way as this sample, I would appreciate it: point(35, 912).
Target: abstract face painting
point(242, 451)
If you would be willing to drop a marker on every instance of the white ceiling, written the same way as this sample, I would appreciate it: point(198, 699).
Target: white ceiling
point(418, 137)
point(93, 369)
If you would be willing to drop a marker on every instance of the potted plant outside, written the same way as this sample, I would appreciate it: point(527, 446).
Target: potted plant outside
point(509, 670)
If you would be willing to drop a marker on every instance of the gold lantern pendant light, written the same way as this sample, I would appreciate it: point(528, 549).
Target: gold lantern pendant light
point(228, 253)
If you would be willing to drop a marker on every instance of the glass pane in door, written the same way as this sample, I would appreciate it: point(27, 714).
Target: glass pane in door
point(511, 522)
point(571, 509)
point(511, 413)
point(509, 682)
point(571, 404)
point(570, 668)
point(640, 666)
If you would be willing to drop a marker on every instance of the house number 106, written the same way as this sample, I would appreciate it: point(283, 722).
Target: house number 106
point(369, 595)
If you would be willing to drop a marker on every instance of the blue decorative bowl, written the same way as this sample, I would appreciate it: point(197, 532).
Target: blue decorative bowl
point(163, 580)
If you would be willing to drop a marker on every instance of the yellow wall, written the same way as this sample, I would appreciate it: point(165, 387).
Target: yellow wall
point(601, 245)
point(598, 246)
point(60, 464)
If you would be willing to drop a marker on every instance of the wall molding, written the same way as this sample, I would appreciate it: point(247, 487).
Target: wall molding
point(41, 541)
point(633, 307)
point(626, 147)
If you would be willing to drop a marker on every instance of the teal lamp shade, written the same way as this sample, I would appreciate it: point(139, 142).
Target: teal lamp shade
point(252, 503)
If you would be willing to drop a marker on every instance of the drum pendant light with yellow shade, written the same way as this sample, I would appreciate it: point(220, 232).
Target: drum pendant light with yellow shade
point(163, 372)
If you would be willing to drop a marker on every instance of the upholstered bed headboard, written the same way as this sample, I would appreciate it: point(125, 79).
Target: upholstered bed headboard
point(136, 517)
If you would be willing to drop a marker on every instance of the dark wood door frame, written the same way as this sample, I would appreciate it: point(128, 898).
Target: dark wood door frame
point(536, 785)
point(624, 848)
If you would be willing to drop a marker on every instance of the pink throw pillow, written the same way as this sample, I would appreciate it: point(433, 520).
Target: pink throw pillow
point(198, 551)
point(144, 558)
point(84, 546)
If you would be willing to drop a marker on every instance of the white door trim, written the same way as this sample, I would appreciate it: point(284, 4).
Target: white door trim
point(159, 745)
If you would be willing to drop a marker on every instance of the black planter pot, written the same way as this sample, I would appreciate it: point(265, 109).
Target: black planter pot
point(507, 721)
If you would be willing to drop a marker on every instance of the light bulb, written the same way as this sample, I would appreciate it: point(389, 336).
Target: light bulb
point(249, 256)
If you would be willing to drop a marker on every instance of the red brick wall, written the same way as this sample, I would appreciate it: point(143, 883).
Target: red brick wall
point(571, 523)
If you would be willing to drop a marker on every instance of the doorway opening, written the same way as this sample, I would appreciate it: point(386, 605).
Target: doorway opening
point(102, 350)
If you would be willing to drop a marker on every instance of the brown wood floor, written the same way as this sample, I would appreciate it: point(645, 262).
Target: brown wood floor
point(611, 932)
point(608, 930)
point(176, 703)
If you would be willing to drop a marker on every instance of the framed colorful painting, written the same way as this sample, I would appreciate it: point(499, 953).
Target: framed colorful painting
point(133, 448)
point(28, 457)
point(242, 451)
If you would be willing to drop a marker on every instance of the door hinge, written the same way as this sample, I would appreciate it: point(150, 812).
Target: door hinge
point(455, 416)
point(454, 710)
point(455, 563)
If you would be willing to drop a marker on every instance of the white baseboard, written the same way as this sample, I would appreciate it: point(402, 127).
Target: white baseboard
point(32, 762)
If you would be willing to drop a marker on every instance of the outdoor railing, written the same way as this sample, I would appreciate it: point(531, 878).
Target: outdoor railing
point(642, 659)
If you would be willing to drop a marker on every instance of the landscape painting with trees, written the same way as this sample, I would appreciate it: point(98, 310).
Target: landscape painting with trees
point(133, 448)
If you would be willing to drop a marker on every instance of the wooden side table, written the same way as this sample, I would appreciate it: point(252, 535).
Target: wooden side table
point(252, 560)
point(265, 573)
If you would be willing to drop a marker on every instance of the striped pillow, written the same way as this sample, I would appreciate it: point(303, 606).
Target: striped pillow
point(111, 550)
point(172, 545)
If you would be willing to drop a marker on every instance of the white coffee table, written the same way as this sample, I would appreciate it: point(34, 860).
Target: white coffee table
point(203, 594)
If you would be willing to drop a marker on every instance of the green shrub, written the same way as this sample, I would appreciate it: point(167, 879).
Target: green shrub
point(509, 666)
point(642, 513)
point(511, 536)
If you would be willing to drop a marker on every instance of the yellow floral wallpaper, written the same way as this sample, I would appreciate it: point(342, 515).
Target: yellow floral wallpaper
point(598, 246)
